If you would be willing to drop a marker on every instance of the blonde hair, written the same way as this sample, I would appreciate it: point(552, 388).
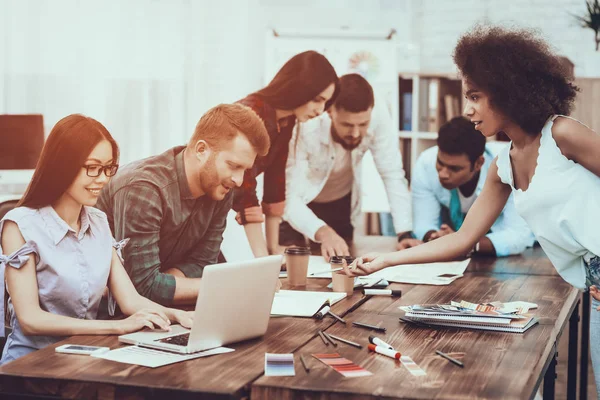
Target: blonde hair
point(224, 122)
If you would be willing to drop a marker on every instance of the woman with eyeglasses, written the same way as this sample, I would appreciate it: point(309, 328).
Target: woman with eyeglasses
point(58, 253)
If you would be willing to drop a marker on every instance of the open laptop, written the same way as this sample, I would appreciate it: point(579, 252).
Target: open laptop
point(234, 304)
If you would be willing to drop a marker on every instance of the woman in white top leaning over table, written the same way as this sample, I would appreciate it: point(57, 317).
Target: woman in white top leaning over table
point(58, 252)
point(513, 83)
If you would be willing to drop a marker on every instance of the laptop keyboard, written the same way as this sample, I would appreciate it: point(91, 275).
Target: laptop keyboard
point(179, 340)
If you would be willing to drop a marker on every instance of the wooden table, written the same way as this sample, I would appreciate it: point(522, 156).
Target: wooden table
point(223, 376)
point(498, 365)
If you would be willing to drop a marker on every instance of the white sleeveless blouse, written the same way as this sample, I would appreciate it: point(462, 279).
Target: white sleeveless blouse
point(561, 207)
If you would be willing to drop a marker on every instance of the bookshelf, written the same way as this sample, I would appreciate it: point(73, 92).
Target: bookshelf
point(426, 102)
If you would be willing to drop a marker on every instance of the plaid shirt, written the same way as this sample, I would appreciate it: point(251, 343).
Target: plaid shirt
point(273, 165)
point(149, 202)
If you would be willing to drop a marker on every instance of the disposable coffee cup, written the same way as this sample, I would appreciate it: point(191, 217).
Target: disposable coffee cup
point(342, 282)
point(296, 261)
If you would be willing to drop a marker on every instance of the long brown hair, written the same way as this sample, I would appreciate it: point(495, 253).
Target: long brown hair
point(300, 80)
point(69, 144)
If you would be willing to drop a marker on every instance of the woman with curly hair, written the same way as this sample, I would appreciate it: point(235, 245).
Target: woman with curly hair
point(513, 83)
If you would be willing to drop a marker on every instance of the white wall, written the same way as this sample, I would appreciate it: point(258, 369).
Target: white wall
point(149, 69)
point(429, 29)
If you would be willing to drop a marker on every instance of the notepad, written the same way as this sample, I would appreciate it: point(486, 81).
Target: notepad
point(295, 303)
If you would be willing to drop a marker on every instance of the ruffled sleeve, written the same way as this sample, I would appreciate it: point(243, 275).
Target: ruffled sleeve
point(15, 260)
point(119, 246)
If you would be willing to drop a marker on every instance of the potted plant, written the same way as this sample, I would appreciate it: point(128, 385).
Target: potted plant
point(591, 19)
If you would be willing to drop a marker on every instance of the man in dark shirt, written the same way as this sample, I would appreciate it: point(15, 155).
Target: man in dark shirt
point(173, 206)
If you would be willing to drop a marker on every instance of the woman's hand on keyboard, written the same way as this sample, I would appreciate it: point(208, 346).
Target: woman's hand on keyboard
point(185, 318)
point(145, 318)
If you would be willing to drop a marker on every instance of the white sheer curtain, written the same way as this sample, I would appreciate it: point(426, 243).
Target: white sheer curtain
point(146, 69)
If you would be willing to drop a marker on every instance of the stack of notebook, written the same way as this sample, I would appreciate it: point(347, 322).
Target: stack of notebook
point(503, 317)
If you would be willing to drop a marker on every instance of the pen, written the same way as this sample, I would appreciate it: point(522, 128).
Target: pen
point(377, 328)
point(326, 270)
point(378, 342)
point(336, 317)
point(323, 337)
point(345, 341)
point(329, 338)
point(304, 364)
point(453, 360)
point(375, 283)
point(358, 304)
point(383, 292)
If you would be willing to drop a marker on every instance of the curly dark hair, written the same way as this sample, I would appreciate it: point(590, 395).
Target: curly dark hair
point(517, 69)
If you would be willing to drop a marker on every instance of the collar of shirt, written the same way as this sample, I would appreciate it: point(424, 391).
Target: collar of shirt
point(58, 228)
point(184, 187)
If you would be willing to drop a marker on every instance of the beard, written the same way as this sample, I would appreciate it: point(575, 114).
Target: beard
point(347, 143)
point(209, 179)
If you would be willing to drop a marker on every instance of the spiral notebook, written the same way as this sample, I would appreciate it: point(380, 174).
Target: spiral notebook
point(515, 326)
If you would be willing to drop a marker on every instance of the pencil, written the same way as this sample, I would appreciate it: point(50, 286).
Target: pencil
point(358, 304)
point(368, 326)
point(323, 337)
point(329, 338)
point(303, 361)
point(453, 360)
point(336, 317)
point(345, 341)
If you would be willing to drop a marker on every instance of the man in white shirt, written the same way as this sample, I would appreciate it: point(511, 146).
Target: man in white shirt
point(446, 181)
point(323, 170)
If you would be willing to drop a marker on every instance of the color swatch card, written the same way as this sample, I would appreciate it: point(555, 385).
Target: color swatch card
point(412, 366)
point(279, 364)
point(342, 365)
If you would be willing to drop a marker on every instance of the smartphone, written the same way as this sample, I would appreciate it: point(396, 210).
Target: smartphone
point(80, 349)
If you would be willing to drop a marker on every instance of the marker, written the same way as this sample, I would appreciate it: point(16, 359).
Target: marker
point(377, 328)
point(382, 292)
point(345, 341)
point(322, 312)
point(378, 342)
point(323, 337)
point(385, 351)
point(453, 360)
point(329, 338)
point(304, 364)
point(326, 270)
point(336, 317)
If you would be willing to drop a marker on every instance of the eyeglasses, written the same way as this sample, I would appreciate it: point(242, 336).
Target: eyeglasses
point(95, 170)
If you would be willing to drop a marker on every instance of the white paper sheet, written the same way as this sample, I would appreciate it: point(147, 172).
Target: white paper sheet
point(295, 303)
point(425, 274)
point(154, 358)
